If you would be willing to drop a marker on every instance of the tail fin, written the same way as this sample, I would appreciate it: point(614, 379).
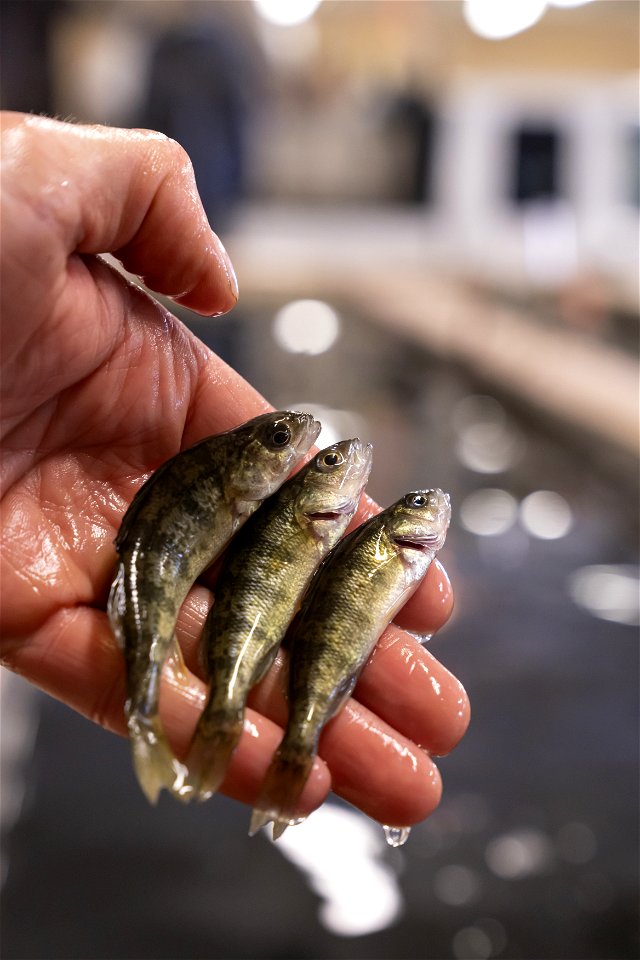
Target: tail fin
point(285, 780)
point(153, 760)
point(209, 756)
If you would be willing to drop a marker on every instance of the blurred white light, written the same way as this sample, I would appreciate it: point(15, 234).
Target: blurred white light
point(336, 424)
point(291, 50)
point(456, 885)
point(519, 854)
point(546, 515)
point(486, 442)
point(471, 943)
point(498, 19)
point(486, 448)
point(306, 326)
point(340, 853)
point(608, 591)
point(488, 513)
point(286, 13)
point(568, 3)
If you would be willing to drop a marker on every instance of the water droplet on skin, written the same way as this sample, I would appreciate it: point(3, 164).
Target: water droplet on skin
point(296, 821)
point(422, 638)
point(396, 836)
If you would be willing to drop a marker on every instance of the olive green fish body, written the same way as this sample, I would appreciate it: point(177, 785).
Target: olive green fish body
point(326, 662)
point(177, 524)
point(266, 571)
point(360, 587)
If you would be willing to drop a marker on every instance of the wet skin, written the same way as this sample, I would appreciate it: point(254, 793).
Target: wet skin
point(100, 385)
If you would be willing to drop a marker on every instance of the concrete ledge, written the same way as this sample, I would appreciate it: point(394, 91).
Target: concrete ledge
point(374, 265)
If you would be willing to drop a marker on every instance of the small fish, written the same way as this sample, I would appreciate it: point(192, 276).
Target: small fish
point(177, 524)
point(266, 571)
point(358, 590)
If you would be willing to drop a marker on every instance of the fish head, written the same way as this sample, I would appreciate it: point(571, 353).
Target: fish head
point(332, 485)
point(270, 447)
point(418, 523)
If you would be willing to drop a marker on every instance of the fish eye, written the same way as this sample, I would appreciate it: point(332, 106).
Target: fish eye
point(281, 436)
point(415, 500)
point(330, 459)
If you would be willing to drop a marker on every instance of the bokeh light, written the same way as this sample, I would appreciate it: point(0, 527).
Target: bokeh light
point(306, 326)
point(568, 3)
point(486, 442)
point(499, 19)
point(471, 943)
point(608, 591)
point(336, 424)
point(488, 513)
point(546, 515)
point(521, 853)
point(286, 13)
point(340, 854)
point(456, 885)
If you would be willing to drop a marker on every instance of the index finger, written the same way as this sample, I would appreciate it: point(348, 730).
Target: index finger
point(128, 192)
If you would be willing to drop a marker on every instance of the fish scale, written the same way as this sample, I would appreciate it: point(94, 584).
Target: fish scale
point(360, 587)
point(177, 524)
point(266, 571)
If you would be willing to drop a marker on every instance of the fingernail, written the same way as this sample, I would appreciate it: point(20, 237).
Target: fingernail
point(228, 269)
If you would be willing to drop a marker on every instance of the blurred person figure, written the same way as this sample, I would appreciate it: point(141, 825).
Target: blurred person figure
point(200, 90)
point(25, 54)
point(412, 123)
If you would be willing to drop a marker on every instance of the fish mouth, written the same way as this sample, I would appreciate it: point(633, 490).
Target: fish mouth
point(333, 514)
point(310, 435)
point(421, 544)
point(363, 455)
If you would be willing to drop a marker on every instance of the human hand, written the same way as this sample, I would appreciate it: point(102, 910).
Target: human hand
point(99, 385)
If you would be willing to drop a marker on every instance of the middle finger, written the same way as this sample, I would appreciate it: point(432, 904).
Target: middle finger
point(402, 683)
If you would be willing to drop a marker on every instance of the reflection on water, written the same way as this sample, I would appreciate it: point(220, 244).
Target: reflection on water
point(520, 853)
point(456, 885)
point(339, 851)
point(611, 592)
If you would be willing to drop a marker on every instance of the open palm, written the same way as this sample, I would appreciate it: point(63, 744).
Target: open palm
point(100, 384)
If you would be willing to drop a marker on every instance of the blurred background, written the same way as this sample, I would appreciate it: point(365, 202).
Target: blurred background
point(432, 208)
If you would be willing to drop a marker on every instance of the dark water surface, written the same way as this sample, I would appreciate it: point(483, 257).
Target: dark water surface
point(534, 850)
